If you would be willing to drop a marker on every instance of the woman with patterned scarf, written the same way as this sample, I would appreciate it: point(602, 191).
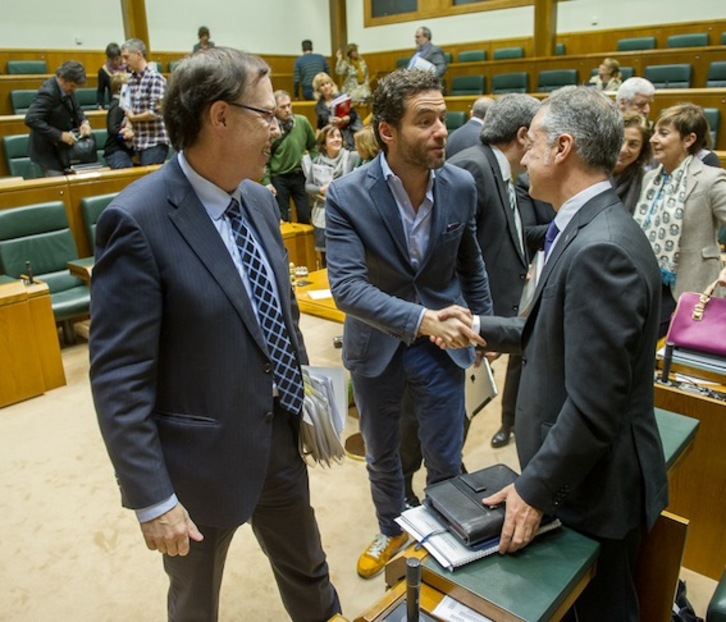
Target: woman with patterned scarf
point(355, 74)
point(682, 203)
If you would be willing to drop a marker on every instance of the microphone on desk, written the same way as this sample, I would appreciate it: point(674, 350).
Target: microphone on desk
point(667, 360)
point(413, 588)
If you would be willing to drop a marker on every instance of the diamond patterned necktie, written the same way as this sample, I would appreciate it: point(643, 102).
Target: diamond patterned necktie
point(515, 212)
point(550, 236)
point(286, 371)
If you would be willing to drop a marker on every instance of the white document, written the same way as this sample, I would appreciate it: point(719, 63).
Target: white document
point(452, 610)
point(423, 65)
point(319, 294)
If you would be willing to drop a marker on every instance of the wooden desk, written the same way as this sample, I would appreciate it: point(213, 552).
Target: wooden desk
point(29, 348)
point(299, 240)
point(324, 308)
point(697, 485)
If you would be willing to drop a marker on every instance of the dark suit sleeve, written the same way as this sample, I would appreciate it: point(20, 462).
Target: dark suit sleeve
point(502, 334)
point(127, 303)
point(104, 82)
point(37, 116)
point(606, 302)
point(323, 113)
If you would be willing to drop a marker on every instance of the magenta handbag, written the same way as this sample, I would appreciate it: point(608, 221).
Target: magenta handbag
point(699, 323)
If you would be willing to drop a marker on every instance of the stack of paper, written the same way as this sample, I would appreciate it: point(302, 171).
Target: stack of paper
point(324, 413)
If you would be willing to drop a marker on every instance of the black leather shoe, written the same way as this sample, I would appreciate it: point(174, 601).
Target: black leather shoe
point(501, 438)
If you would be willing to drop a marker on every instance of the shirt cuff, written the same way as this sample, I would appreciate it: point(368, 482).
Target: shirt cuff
point(476, 324)
point(154, 511)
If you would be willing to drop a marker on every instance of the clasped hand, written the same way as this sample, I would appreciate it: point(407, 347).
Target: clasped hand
point(450, 328)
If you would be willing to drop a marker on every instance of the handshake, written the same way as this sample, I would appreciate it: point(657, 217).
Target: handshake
point(450, 328)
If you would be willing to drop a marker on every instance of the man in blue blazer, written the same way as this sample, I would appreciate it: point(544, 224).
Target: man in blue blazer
point(586, 434)
point(402, 245)
point(193, 404)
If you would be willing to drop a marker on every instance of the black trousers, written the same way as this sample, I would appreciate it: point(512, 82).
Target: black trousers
point(511, 388)
point(611, 595)
point(284, 525)
point(292, 186)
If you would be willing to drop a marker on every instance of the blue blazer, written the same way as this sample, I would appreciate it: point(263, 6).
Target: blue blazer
point(180, 372)
point(371, 275)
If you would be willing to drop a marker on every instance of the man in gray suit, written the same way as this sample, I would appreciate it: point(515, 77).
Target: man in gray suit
point(196, 351)
point(428, 52)
point(494, 162)
point(401, 242)
point(587, 439)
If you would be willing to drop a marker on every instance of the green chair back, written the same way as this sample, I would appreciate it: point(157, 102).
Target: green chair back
point(471, 56)
point(559, 49)
point(468, 85)
point(552, 79)
point(18, 163)
point(15, 67)
point(689, 40)
point(402, 62)
point(21, 100)
point(449, 57)
point(636, 43)
point(100, 136)
point(713, 115)
point(455, 119)
point(505, 53)
point(173, 64)
point(716, 77)
point(86, 98)
point(515, 82)
point(91, 208)
point(676, 76)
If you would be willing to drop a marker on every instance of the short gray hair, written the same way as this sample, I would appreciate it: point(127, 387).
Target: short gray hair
point(506, 115)
point(425, 32)
point(593, 121)
point(634, 86)
point(134, 45)
point(480, 106)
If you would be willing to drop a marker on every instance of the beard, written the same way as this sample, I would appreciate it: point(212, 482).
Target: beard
point(420, 155)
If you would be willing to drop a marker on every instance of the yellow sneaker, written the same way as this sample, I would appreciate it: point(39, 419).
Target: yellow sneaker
point(376, 556)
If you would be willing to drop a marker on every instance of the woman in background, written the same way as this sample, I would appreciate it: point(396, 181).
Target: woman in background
point(634, 155)
point(114, 64)
point(333, 161)
point(366, 144)
point(355, 73)
point(608, 76)
point(681, 205)
point(325, 92)
point(119, 143)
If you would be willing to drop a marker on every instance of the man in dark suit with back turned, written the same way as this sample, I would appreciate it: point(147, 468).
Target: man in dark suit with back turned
point(51, 117)
point(587, 439)
point(401, 245)
point(196, 351)
point(468, 134)
point(493, 163)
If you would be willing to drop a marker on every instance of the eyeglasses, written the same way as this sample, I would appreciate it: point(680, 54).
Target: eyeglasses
point(268, 115)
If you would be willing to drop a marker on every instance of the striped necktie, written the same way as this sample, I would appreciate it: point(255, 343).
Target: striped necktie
point(286, 370)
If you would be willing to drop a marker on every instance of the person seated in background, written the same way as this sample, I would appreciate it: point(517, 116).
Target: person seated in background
point(608, 76)
point(366, 144)
point(307, 66)
point(355, 73)
point(56, 120)
point(114, 64)
point(681, 205)
point(119, 145)
point(204, 42)
point(325, 92)
point(468, 134)
point(634, 155)
point(635, 94)
point(333, 160)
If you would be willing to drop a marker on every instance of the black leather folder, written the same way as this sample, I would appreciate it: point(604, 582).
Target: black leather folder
point(458, 501)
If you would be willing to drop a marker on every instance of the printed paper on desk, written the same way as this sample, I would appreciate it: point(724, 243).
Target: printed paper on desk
point(452, 610)
point(319, 294)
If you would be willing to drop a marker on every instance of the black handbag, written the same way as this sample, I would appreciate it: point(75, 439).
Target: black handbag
point(83, 151)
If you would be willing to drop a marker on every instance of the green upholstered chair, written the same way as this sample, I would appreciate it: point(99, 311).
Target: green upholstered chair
point(717, 607)
point(552, 79)
point(468, 85)
point(716, 74)
point(15, 67)
point(449, 57)
point(515, 82)
point(86, 98)
point(626, 72)
point(669, 76)
point(505, 53)
point(100, 136)
point(91, 208)
point(636, 43)
point(21, 100)
point(16, 157)
point(713, 115)
point(455, 119)
point(723, 38)
point(471, 56)
point(689, 40)
point(40, 234)
point(559, 49)
point(402, 62)
point(157, 65)
point(173, 64)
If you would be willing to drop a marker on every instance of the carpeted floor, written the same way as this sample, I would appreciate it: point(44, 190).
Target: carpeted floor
point(70, 552)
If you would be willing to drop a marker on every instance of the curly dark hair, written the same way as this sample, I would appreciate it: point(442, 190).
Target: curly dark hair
point(216, 74)
point(393, 93)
